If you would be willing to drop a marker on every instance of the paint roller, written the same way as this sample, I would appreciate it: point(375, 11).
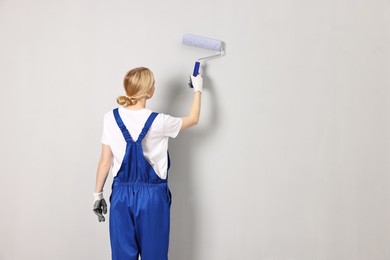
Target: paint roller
point(206, 43)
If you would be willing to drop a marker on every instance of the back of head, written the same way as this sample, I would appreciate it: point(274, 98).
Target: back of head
point(137, 82)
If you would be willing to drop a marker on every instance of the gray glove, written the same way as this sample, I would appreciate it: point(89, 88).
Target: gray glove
point(99, 206)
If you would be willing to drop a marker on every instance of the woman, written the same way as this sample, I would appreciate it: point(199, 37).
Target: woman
point(140, 200)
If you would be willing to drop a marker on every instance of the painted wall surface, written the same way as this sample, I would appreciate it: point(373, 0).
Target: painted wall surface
point(291, 157)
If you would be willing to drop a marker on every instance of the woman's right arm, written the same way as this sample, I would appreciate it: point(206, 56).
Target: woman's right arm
point(193, 117)
point(103, 168)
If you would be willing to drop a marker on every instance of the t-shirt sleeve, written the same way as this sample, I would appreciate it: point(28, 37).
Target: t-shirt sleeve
point(172, 125)
point(104, 139)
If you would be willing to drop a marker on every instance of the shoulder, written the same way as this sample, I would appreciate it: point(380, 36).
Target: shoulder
point(164, 119)
point(171, 124)
point(167, 118)
point(108, 116)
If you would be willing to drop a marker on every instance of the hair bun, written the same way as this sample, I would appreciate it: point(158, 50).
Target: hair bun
point(126, 101)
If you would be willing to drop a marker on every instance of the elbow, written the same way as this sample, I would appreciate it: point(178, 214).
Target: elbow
point(195, 121)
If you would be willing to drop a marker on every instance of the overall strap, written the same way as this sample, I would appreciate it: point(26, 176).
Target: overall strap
point(147, 126)
point(122, 126)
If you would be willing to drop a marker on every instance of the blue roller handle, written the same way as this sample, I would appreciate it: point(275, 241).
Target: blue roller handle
point(196, 69)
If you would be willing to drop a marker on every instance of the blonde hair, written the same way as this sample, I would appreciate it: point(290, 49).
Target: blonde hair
point(137, 84)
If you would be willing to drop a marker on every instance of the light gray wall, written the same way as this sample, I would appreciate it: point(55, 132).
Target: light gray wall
point(290, 160)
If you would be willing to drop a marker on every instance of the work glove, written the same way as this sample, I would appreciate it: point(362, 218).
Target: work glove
point(99, 205)
point(197, 83)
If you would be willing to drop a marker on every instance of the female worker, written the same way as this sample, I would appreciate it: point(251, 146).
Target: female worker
point(135, 142)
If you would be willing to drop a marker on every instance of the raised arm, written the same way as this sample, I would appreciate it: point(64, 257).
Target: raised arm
point(193, 117)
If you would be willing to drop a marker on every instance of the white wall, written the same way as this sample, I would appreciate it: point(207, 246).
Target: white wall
point(291, 158)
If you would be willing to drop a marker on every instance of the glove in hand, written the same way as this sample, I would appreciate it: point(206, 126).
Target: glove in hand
point(196, 82)
point(99, 206)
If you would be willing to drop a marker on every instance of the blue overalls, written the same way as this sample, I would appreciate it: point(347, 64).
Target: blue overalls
point(140, 204)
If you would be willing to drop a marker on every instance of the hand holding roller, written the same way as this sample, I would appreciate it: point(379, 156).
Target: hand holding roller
point(197, 83)
point(202, 42)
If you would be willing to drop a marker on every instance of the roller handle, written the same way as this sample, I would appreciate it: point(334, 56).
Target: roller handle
point(195, 73)
point(196, 69)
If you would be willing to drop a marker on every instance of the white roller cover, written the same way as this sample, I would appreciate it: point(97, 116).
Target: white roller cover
point(202, 42)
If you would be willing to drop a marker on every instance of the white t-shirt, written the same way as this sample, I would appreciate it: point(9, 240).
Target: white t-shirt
point(155, 143)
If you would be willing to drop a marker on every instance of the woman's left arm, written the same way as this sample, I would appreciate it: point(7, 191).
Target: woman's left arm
point(104, 166)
